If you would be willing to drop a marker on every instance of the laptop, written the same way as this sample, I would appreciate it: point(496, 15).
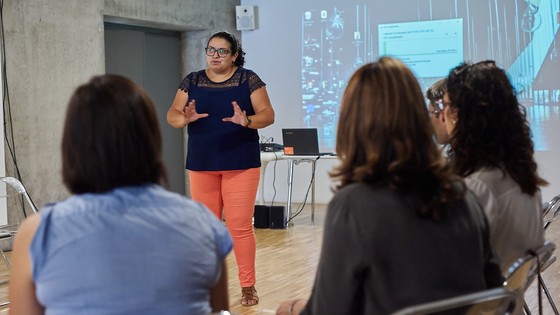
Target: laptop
point(300, 141)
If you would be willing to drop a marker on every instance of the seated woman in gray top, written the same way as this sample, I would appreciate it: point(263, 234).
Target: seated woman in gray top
point(401, 229)
point(491, 147)
point(121, 243)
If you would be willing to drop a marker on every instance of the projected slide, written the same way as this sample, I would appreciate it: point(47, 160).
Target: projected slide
point(429, 48)
point(330, 53)
point(431, 37)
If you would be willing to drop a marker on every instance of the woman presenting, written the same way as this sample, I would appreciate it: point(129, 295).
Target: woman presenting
point(223, 106)
point(121, 243)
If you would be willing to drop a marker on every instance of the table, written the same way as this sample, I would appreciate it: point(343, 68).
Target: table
point(293, 160)
point(265, 158)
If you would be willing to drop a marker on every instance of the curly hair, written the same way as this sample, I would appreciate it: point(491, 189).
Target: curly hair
point(491, 130)
point(384, 137)
point(235, 46)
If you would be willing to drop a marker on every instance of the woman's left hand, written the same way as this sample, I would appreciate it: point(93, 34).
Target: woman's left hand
point(239, 116)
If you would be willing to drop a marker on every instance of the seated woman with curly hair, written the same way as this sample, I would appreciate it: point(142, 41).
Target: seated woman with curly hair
point(491, 148)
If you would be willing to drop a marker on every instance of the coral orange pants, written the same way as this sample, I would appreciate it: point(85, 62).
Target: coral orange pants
point(232, 193)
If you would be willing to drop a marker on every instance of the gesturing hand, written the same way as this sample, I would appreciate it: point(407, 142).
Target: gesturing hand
point(239, 116)
point(190, 114)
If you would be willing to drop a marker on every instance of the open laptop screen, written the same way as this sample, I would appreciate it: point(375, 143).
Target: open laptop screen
point(300, 141)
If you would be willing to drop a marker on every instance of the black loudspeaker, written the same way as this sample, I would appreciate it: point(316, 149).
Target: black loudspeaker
point(277, 217)
point(273, 217)
point(262, 217)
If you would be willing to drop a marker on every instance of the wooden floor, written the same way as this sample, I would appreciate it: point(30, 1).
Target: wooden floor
point(286, 263)
point(287, 260)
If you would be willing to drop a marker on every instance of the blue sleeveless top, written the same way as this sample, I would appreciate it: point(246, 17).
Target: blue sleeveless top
point(134, 250)
point(215, 145)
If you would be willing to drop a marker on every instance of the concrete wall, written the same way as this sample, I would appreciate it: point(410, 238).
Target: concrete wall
point(52, 46)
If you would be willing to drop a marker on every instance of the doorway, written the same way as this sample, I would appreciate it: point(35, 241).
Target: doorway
point(152, 59)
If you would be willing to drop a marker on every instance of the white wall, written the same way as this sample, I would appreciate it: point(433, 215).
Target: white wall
point(276, 58)
point(274, 51)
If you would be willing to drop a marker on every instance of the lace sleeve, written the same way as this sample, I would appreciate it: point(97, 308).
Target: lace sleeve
point(184, 86)
point(255, 81)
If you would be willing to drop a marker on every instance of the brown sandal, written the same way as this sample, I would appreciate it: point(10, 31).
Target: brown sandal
point(249, 296)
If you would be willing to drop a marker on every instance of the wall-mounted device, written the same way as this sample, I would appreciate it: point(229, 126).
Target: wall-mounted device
point(245, 17)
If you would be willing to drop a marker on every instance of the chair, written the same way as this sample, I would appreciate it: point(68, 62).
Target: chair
point(524, 270)
point(543, 285)
point(12, 196)
point(519, 277)
point(493, 301)
point(12, 188)
point(551, 210)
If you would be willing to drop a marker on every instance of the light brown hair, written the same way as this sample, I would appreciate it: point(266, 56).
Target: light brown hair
point(384, 137)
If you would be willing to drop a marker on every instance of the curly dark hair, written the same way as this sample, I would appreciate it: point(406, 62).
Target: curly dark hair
point(491, 130)
point(384, 137)
point(234, 44)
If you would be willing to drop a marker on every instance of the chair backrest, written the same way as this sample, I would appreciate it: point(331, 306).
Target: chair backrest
point(546, 253)
point(493, 301)
point(551, 209)
point(521, 273)
point(13, 187)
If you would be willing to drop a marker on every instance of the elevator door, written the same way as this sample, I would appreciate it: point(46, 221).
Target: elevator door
point(152, 59)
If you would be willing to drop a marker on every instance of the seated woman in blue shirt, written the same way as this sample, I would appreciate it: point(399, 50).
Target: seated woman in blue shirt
point(120, 244)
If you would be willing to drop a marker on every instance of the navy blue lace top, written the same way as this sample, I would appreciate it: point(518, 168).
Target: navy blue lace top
point(215, 145)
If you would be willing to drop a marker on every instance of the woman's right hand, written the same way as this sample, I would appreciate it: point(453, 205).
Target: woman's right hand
point(181, 113)
point(190, 114)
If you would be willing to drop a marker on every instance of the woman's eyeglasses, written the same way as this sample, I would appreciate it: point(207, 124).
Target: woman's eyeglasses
point(211, 51)
point(438, 106)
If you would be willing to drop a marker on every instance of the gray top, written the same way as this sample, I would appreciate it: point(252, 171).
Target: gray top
point(515, 218)
point(378, 255)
